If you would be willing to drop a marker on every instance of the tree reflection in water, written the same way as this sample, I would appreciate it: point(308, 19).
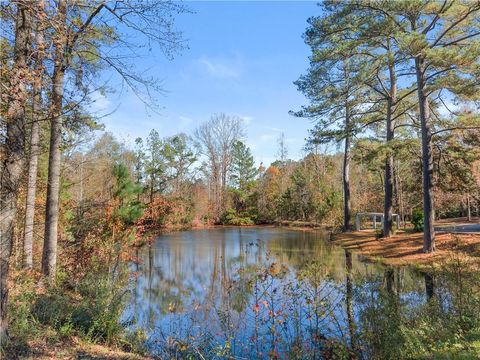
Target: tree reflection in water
point(274, 293)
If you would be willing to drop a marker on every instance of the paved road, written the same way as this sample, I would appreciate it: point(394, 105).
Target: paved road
point(464, 228)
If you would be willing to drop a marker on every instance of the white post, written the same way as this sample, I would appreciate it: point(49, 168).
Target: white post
point(374, 219)
point(382, 221)
point(398, 222)
point(357, 222)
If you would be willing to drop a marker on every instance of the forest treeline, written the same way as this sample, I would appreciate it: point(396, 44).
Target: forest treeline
point(394, 83)
point(211, 177)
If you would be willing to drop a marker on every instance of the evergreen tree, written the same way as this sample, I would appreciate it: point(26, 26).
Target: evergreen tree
point(155, 167)
point(335, 88)
point(441, 39)
point(242, 176)
point(180, 157)
point(128, 209)
point(139, 160)
point(243, 171)
point(371, 38)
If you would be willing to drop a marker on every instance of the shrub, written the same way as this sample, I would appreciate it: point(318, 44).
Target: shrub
point(417, 220)
point(93, 313)
point(230, 217)
point(23, 325)
point(98, 314)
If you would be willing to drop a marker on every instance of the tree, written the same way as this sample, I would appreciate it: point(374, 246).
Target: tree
point(282, 152)
point(38, 55)
point(14, 147)
point(139, 162)
point(180, 157)
point(371, 35)
point(446, 57)
point(335, 89)
point(123, 212)
point(127, 209)
point(269, 192)
point(375, 40)
point(243, 170)
point(155, 167)
point(49, 258)
point(242, 174)
point(455, 154)
point(441, 39)
point(84, 35)
point(215, 140)
point(422, 36)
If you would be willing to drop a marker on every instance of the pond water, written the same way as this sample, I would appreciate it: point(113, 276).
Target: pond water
point(263, 293)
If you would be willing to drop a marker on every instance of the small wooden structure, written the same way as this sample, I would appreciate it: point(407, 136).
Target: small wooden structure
point(374, 216)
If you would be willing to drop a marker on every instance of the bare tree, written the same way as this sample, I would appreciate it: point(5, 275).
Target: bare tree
point(282, 152)
point(216, 139)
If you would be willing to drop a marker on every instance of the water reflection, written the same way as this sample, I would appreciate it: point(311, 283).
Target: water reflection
point(269, 293)
point(429, 286)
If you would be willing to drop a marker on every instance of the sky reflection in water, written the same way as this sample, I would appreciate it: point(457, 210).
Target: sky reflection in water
point(217, 288)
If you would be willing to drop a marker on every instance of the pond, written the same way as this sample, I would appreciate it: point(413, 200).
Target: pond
point(265, 292)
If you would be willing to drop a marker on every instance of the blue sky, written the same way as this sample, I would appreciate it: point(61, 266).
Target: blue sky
point(242, 60)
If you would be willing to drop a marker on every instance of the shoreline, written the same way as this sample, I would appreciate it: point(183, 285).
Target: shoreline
point(406, 248)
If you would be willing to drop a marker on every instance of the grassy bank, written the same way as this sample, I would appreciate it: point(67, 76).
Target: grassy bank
point(68, 319)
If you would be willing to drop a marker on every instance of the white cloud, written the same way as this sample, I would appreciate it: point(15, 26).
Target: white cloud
point(224, 68)
point(247, 119)
point(267, 137)
point(273, 128)
point(184, 122)
point(100, 102)
point(451, 107)
point(448, 107)
point(251, 145)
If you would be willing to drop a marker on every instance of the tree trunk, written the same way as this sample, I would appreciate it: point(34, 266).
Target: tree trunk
point(388, 205)
point(390, 280)
point(14, 153)
point(49, 259)
point(223, 195)
point(469, 208)
point(349, 301)
point(32, 184)
point(346, 178)
point(34, 152)
point(429, 286)
point(216, 193)
point(427, 158)
point(399, 193)
point(151, 189)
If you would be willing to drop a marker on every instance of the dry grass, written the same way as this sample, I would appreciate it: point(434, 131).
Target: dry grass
point(405, 248)
point(71, 349)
